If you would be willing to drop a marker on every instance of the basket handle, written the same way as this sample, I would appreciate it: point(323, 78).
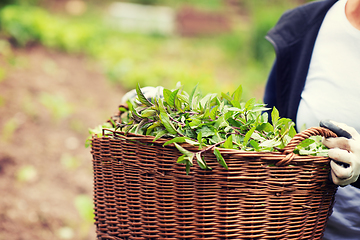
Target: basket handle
point(298, 138)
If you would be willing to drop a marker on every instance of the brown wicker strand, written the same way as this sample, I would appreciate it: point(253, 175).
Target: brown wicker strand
point(119, 189)
point(95, 151)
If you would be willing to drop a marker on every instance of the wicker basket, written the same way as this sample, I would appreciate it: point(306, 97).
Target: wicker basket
point(141, 193)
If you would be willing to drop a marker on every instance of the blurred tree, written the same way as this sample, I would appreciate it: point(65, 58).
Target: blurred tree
point(146, 2)
point(264, 15)
point(6, 2)
point(20, 2)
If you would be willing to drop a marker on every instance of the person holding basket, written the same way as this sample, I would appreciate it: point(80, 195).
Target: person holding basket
point(315, 76)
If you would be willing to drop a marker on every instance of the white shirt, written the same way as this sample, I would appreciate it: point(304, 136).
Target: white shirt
point(332, 91)
point(332, 88)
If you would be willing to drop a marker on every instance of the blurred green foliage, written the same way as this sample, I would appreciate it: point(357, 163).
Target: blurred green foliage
point(2, 74)
point(58, 107)
point(2, 101)
point(26, 173)
point(265, 15)
point(217, 63)
point(85, 207)
point(20, 2)
point(69, 162)
point(6, 2)
point(8, 129)
point(204, 4)
point(65, 233)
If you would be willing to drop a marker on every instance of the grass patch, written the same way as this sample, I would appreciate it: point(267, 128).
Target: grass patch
point(217, 63)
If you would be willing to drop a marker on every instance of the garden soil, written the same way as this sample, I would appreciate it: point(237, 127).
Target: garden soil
point(48, 101)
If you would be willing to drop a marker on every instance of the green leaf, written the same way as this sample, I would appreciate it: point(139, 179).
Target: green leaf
point(216, 138)
point(205, 101)
point(206, 114)
point(190, 159)
point(274, 116)
point(161, 107)
point(167, 124)
point(266, 127)
point(221, 122)
point(284, 121)
point(175, 140)
point(181, 159)
point(134, 113)
point(180, 140)
point(128, 127)
point(213, 113)
point(220, 158)
point(270, 143)
point(191, 97)
point(199, 138)
point(172, 98)
point(264, 117)
point(184, 99)
point(248, 136)
point(88, 142)
point(160, 134)
point(305, 143)
point(201, 162)
point(183, 150)
point(292, 131)
point(234, 123)
point(237, 97)
point(148, 113)
point(187, 160)
point(166, 94)
point(206, 132)
point(228, 143)
point(226, 96)
point(139, 126)
point(195, 123)
point(255, 145)
point(178, 104)
point(188, 165)
point(191, 142)
point(142, 97)
point(151, 128)
point(122, 109)
point(250, 104)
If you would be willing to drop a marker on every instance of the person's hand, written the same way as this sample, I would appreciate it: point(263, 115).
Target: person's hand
point(344, 152)
point(149, 92)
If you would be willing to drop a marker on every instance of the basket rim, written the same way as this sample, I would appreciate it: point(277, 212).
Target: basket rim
point(283, 157)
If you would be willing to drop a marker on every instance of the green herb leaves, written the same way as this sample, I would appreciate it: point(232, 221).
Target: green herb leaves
point(142, 97)
point(207, 122)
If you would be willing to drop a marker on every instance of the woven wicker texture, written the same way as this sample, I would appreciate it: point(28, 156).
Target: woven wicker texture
point(141, 193)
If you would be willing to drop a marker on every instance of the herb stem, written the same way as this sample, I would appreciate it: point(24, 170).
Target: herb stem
point(212, 146)
point(182, 124)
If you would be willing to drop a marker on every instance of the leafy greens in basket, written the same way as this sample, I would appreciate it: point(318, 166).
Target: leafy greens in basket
point(209, 122)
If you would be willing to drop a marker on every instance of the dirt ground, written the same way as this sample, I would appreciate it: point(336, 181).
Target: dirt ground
point(48, 100)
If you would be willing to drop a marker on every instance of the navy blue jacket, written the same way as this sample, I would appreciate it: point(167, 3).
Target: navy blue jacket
point(293, 38)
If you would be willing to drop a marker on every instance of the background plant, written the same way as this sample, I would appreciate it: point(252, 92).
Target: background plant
point(222, 62)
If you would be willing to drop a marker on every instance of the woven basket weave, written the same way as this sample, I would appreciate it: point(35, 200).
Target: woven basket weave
point(141, 193)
